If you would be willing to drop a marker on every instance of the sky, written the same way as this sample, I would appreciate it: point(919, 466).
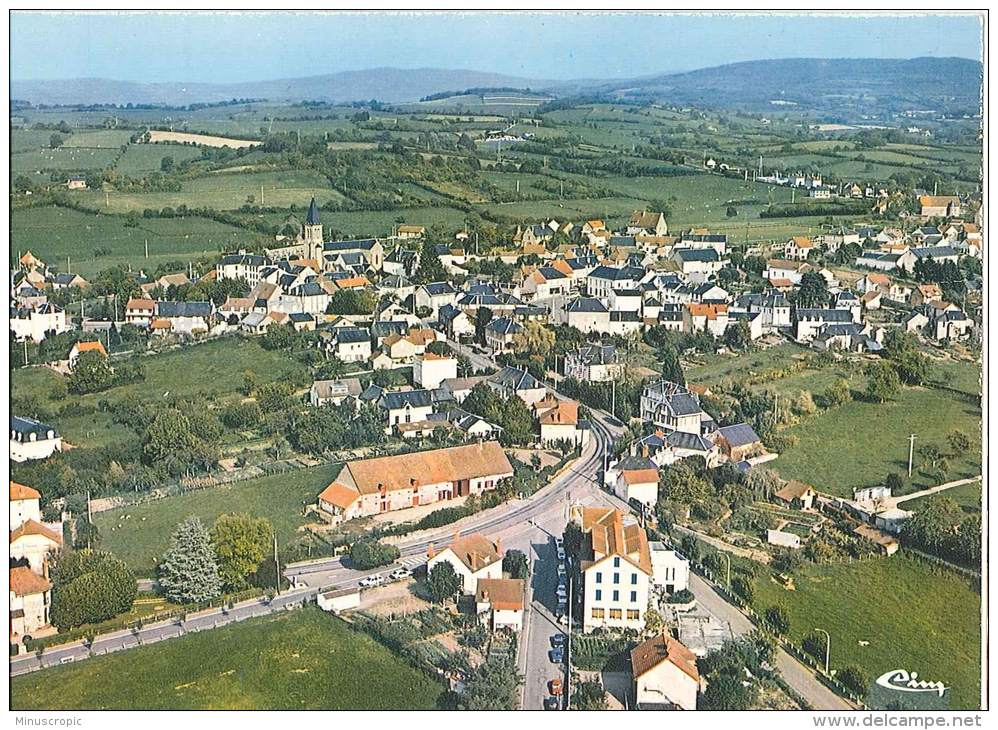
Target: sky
point(234, 47)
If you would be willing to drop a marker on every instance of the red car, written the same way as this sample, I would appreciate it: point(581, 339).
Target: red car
point(555, 686)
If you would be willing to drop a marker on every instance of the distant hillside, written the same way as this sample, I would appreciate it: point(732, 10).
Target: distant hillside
point(384, 84)
point(945, 84)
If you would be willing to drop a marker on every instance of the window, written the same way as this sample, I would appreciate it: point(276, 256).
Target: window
point(634, 596)
point(599, 595)
point(599, 577)
point(633, 614)
point(634, 579)
point(615, 613)
point(616, 578)
point(598, 613)
point(616, 595)
point(616, 562)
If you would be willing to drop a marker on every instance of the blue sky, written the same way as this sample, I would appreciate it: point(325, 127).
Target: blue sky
point(249, 47)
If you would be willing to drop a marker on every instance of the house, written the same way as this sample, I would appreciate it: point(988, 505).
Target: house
point(500, 602)
point(186, 318)
point(25, 504)
point(405, 407)
point(31, 440)
point(429, 370)
point(873, 282)
point(797, 495)
point(388, 483)
point(474, 557)
point(370, 249)
point(339, 600)
point(926, 294)
point(454, 322)
point(915, 322)
point(807, 322)
point(738, 442)
point(333, 392)
point(242, 265)
point(712, 318)
point(670, 568)
point(559, 421)
point(940, 206)
point(778, 270)
point(616, 570)
point(645, 222)
point(698, 264)
point(435, 295)
point(798, 248)
point(80, 347)
point(594, 364)
point(351, 344)
point(34, 543)
point(665, 674)
point(37, 323)
point(604, 279)
point(30, 600)
point(500, 334)
point(459, 388)
point(408, 232)
point(546, 282)
point(886, 543)
point(69, 281)
point(586, 314)
point(938, 254)
point(637, 479)
point(780, 538)
point(671, 406)
point(512, 381)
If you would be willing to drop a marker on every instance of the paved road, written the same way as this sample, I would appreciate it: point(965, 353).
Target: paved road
point(153, 633)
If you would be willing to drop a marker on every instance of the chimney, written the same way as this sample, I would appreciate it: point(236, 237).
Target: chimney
point(644, 450)
point(430, 552)
point(499, 546)
point(485, 596)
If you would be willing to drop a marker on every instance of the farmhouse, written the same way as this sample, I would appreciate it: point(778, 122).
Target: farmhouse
point(474, 557)
point(665, 674)
point(638, 480)
point(797, 495)
point(499, 602)
point(333, 392)
point(30, 599)
point(388, 483)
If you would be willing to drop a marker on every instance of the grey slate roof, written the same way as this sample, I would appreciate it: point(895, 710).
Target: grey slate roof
point(740, 434)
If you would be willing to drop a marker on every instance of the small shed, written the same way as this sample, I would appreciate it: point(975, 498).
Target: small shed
point(337, 601)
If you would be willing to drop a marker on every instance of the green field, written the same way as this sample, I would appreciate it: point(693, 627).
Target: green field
point(139, 535)
point(857, 444)
point(66, 159)
point(141, 159)
point(967, 496)
point(303, 660)
point(914, 617)
point(53, 233)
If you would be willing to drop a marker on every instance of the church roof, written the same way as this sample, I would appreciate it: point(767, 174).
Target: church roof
point(312, 217)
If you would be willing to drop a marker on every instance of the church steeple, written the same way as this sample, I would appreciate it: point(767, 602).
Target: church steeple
point(312, 232)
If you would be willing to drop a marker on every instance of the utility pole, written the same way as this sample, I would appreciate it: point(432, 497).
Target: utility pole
point(828, 646)
point(147, 248)
point(568, 653)
point(911, 452)
point(90, 519)
point(613, 398)
point(25, 350)
point(277, 565)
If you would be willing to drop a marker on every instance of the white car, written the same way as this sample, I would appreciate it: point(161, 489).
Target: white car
point(561, 553)
point(559, 542)
point(372, 580)
point(561, 569)
point(562, 593)
point(401, 573)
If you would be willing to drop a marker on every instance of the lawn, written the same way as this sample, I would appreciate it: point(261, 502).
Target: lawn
point(53, 233)
point(967, 496)
point(857, 444)
point(302, 660)
point(140, 534)
point(914, 617)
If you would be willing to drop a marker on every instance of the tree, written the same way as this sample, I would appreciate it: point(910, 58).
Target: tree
point(731, 212)
point(854, 679)
point(493, 684)
point(166, 164)
point(442, 582)
point(516, 421)
point(367, 554)
point(515, 563)
point(894, 482)
point(189, 571)
point(89, 586)
point(838, 393)
point(534, 339)
point(883, 382)
point(91, 373)
point(815, 644)
point(430, 268)
point(901, 349)
point(813, 291)
point(55, 141)
point(959, 442)
point(742, 586)
point(589, 695)
point(725, 692)
point(738, 337)
point(242, 542)
point(483, 401)
point(483, 315)
point(778, 620)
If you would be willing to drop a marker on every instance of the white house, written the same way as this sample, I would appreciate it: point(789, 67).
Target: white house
point(36, 323)
point(798, 248)
point(24, 505)
point(638, 481)
point(31, 439)
point(594, 364)
point(670, 568)
point(500, 602)
point(333, 392)
point(665, 674)
point(430, 370)
point(616, 570)
point(34, 542)
point(337, 601)
point(473, 558)
point(30, 599)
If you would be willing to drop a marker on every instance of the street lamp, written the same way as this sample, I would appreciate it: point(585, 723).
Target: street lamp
point(828, 646)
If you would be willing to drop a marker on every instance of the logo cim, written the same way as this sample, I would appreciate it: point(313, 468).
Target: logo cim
point(902, 681)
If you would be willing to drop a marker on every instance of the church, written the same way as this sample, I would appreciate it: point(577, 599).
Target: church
point(302, 240)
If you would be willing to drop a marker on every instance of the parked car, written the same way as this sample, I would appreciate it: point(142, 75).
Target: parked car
point(559, 542)
point(561, 553)
point(563, 620)
point(562, 592)
point(557, 655)
point(372, 580)
point(554, 686)
point(551, 703)
point(400, 573)
point(558, 640)
point(561, 570)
